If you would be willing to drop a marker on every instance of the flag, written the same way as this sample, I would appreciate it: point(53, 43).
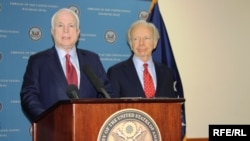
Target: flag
point(164, 54)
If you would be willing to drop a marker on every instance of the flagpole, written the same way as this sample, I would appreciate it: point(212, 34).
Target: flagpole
point(152, 6)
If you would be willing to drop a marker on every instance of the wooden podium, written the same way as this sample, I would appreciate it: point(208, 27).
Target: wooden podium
point(82, 120)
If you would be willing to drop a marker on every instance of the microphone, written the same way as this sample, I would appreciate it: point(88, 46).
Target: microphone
point(95, 81)
point(72, 92)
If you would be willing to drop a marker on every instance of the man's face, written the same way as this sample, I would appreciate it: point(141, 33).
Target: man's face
point(142, 41)
point(65, 30)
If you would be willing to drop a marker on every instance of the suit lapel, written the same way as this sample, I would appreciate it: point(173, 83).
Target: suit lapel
point(159, 74)
point(56, 68)
point(133, 77)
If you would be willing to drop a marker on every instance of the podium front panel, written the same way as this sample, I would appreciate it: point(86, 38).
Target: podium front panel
point(82, 120)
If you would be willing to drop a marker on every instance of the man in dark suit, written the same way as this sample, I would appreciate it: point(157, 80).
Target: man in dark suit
point(126, 77)
point(45, 82)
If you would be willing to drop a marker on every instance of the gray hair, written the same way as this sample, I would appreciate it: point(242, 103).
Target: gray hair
point(156, 35)
point(69, 10)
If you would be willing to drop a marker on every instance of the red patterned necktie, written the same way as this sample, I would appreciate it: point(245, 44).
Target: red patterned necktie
point(71, 72)
point(149, 88)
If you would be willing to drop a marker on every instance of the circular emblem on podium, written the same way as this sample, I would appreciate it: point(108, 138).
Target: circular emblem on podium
point(129, 125)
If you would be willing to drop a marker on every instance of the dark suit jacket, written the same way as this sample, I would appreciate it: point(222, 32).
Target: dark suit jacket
point(44, 82)
point(126, 83)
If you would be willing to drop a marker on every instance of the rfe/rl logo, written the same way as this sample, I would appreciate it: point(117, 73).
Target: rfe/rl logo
point(229, 132)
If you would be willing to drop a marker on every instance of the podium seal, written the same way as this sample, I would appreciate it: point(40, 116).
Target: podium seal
point(129, 125)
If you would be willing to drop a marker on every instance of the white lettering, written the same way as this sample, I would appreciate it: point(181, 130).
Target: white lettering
point(216, 132)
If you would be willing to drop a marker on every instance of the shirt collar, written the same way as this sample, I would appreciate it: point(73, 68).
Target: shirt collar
point(62, 53)
point(139, 63)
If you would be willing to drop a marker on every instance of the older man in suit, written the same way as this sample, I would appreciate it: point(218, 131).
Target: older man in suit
point(127, 77)
point(47, 76)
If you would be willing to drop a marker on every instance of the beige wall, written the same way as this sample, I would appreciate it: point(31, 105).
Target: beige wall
point(211, 44)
